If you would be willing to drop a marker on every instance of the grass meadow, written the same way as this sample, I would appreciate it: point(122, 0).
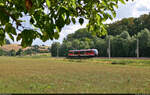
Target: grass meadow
point(45, 74)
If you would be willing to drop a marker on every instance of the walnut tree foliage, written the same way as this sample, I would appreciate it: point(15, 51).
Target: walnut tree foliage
point(50, 16)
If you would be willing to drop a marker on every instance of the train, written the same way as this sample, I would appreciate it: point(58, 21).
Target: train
point(82, 53)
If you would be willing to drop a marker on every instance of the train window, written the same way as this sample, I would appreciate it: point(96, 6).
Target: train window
point(82, 52)
point(70, 51)
point(75, 52)
point(88, 51)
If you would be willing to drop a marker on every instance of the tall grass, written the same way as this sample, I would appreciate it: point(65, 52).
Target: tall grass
point(61, 75)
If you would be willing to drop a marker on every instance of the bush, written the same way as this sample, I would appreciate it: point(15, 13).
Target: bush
point(12, 53)
point(19, 52)
point(1, 52)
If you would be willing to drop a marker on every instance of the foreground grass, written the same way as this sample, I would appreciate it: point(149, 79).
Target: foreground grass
point(59, 75)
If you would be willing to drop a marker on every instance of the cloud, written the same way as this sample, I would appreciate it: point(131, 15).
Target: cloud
point(125, 11)
point(141, 7)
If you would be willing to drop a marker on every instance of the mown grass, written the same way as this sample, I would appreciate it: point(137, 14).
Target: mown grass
point(60, 75)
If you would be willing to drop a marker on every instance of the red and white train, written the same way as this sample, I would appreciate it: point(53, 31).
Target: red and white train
point(82, 53)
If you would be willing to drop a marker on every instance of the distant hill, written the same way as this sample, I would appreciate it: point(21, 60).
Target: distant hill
point(9, 47)
point(16, 47)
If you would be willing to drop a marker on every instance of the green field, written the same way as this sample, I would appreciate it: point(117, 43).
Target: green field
point(59, 75)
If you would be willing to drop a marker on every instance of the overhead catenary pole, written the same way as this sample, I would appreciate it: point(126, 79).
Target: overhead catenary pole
point(137, 50)
point(109, 52)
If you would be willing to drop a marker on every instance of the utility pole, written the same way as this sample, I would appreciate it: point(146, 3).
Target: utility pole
point(109, 53)
point(137, 50)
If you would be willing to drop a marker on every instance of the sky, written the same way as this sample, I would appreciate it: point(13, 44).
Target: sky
point(130, 9)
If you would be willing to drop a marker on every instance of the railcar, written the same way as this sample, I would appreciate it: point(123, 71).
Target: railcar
point(82, 53)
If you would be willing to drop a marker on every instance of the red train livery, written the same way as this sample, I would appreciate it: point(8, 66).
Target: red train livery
point(83, 53)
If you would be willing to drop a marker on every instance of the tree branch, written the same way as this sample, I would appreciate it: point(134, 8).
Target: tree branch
point(10, 15)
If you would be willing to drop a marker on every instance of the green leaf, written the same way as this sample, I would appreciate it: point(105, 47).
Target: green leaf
point(81, 20)
point(105, 16)
point(31, 20)
point(68, 21)
point(104, 3)
point(122, 1)
point(56, 35)
point(10, 29)
point(2, 36)
point(13, 31)
point(114, 13)
point(1, 4)
point(19, 37)
point(110, 17)
point(11, 36)
point(4, 18)
point(116, 6)
point(57, 29)
point(7, 27)
point(27, 37)
point(73, 20)
point(98, 17)
point(48, 3)
point(38, 2)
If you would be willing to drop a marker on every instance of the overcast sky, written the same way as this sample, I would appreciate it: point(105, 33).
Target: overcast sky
point(131, 9)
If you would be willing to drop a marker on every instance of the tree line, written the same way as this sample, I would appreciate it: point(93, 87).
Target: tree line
point(30, 51)
point(122, 34)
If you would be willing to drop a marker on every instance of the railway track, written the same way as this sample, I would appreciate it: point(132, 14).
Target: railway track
point(145, 58)
point(123, 58)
